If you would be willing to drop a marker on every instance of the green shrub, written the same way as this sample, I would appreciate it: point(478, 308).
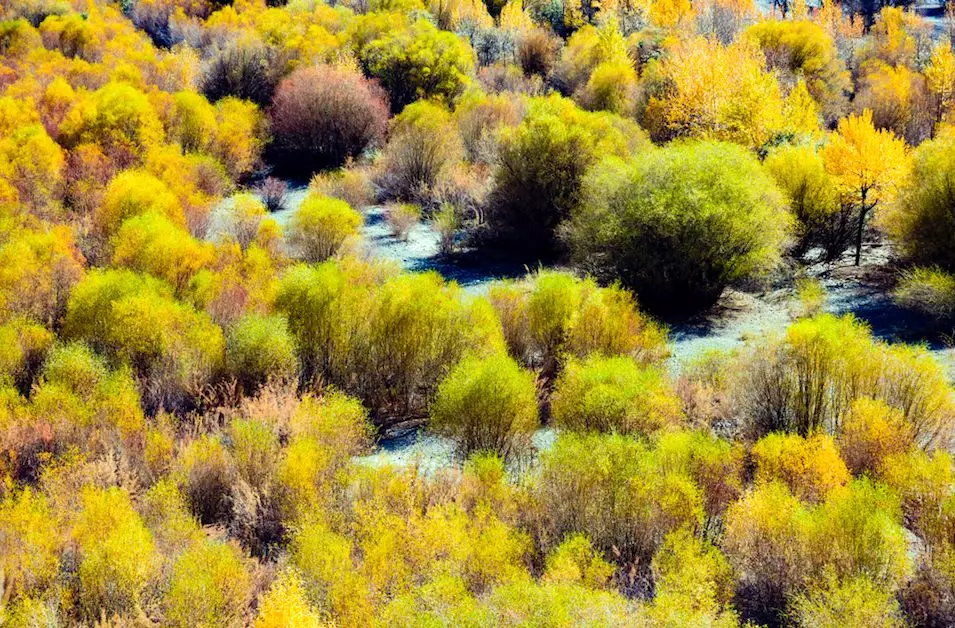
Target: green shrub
point(85, 401)
point(260, 348)
point(808, 380)
point(927, 290)
point(134, 319)
point(324, 434)
point(856, 602)
point(209, 586)
point(30, 543)
point(780, 546)
point(575, 562)
point(328, 574)
point(679, 224)
point(387, 339)
point(550, 315)
point(693, 581)
point(921, 222)
point(541, 166)
point(614, 490)
point(151, 243)
point(117, 554)
point(23, 347)
point(613, 395)
point(424, 145)
point(488, 404)
point(321, 226)
point(419, 62)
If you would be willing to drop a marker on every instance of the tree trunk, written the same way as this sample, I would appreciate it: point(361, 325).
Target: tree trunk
point(863, 211)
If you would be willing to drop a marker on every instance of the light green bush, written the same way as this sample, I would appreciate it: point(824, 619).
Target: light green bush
point(613, 489)
point(134, 319)
point(679, 224)
point(551, 315)
point(321, 226)
point(487, 404)
point(927, 290)
point(209, 586)
point(614, 395)
point(808, 380)
point(118, 559)
point(419, 62)
point(261, 348)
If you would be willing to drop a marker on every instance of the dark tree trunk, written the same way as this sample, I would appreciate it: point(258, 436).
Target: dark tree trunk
point(863, 212)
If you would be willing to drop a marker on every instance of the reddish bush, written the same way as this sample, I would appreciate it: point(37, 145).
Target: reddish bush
point(323, 115)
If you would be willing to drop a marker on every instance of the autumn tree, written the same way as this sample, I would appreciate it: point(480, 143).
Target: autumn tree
point(867, 164)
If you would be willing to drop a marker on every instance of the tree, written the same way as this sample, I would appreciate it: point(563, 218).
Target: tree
point(867, 164)
point(800, 48)
point(705, 90)
point(940, 77)
point(679, 224)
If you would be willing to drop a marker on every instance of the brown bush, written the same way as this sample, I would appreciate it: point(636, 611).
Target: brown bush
point(246, 68)
point(537, 52)
point(273, 192)
point(323, 115)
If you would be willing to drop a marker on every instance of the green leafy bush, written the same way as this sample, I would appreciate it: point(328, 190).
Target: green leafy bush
point(260, 348)
point(821, 219)
point(118, 556)
point(387, 339)
point(209, 586)
point(921, 222)
point(419, 62)
point(488, 404)
point(134, 319)
point(321, 226)
point(808, 380)
point(550, 315)
point(613, 489)
point(679, 224)
point(613, 395)
point(538, 180)
point(927, 290)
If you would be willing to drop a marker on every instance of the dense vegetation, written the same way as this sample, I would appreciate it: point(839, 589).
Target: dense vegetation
point(189, 386)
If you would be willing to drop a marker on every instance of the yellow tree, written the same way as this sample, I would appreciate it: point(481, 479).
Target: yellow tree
point(867, 163)
point(940, 78)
